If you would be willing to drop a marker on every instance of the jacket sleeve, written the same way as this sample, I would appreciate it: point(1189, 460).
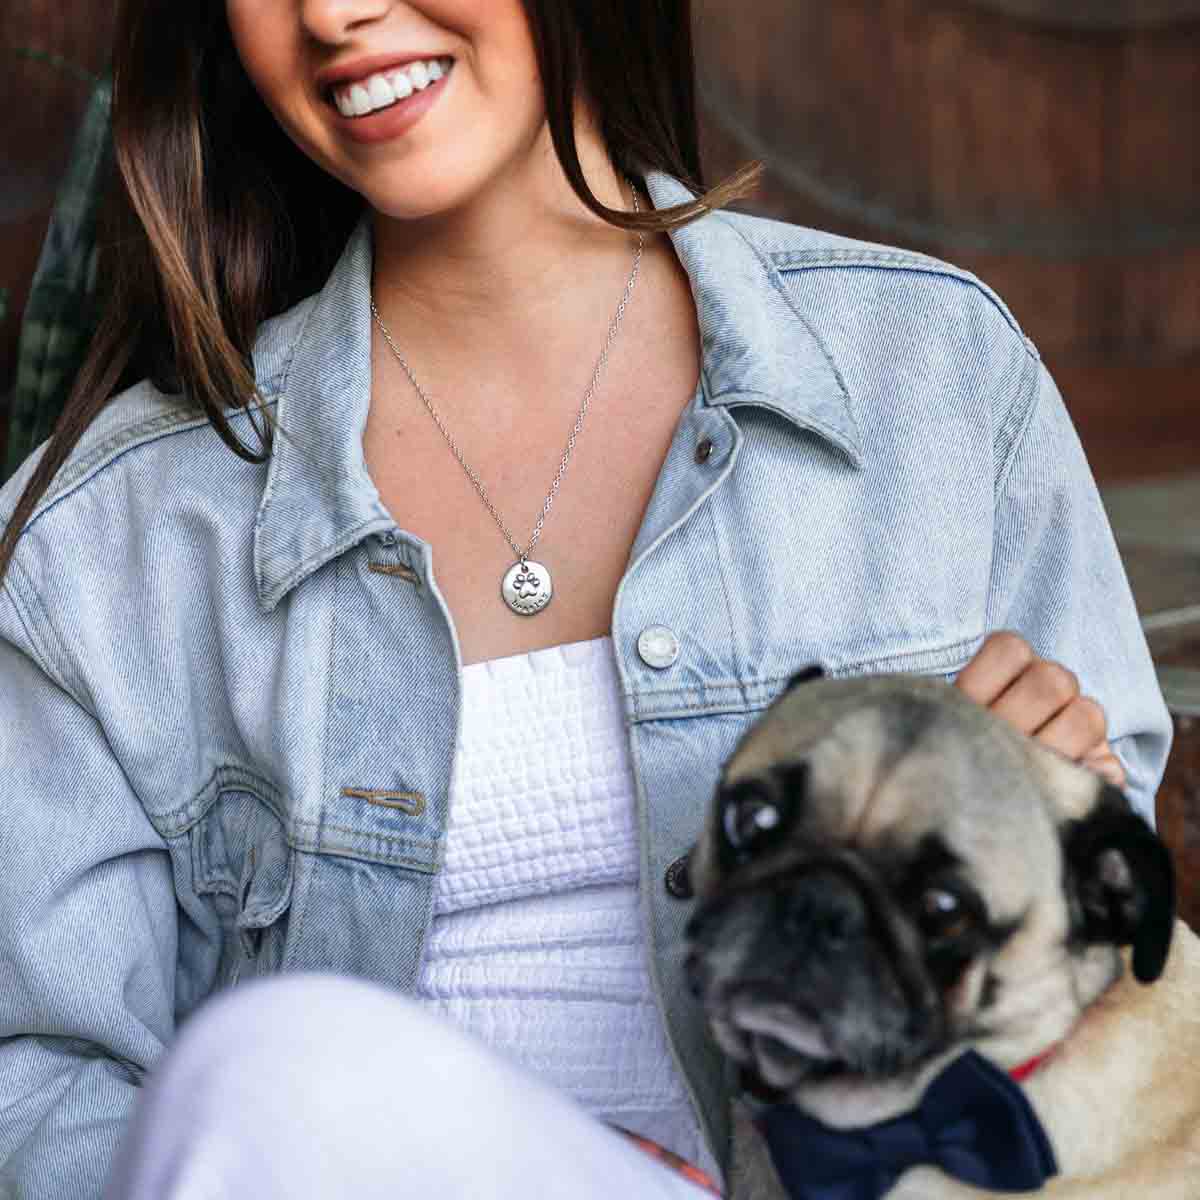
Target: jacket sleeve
point(1057, 579)
point(87, 931)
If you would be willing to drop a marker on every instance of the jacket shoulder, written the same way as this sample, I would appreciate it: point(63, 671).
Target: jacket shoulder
point(791, 249)
point(918, 343)
point(142, 416)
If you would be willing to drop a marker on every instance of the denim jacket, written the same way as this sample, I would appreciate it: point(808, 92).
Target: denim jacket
point(211, 671)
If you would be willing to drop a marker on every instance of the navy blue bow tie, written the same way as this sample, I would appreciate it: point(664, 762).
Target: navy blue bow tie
point(973, 1122)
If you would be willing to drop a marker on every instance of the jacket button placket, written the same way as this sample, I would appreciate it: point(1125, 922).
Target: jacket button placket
point(392, 722)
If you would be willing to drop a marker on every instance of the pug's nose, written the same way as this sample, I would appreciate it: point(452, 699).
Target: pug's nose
point(823, 911)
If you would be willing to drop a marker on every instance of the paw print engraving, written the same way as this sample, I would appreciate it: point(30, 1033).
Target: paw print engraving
point(527, 587)
point(527, 583)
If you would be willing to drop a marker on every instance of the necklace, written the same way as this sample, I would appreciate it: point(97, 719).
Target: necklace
point(526, 586)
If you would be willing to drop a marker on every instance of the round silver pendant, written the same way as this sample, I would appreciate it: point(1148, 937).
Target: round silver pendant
point(527, 587)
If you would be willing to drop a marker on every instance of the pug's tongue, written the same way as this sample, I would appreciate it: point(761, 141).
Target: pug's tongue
point(783, 1039)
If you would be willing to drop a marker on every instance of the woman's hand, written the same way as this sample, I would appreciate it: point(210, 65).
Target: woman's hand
point(1040, 698)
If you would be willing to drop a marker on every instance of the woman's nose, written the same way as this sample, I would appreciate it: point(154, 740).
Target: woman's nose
point(333, 20)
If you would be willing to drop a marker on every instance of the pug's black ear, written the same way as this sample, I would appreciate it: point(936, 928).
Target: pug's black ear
point(1123, 882)
point(805, 675)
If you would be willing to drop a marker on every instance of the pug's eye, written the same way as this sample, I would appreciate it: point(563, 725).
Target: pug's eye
point(747, 815)
point(943, 914)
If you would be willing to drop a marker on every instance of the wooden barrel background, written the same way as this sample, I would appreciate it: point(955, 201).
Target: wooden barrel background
point(1179, 796)
point(1051, 146)
point(50, 51)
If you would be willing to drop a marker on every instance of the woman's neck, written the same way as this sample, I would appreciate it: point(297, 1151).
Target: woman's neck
point(506, 259)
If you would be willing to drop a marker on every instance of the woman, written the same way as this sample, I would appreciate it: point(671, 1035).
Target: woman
point(418, 246)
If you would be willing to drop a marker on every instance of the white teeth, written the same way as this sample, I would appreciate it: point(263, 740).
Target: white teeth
point(380, 91)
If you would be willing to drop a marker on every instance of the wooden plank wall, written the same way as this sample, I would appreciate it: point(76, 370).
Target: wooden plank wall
point(1058, 161)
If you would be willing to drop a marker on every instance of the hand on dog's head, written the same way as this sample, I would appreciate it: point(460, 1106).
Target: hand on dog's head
point(889, 875)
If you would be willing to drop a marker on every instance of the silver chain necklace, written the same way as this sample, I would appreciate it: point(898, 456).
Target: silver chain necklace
point(526, 586)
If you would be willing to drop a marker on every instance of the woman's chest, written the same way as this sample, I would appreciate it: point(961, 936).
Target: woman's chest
point(305, 784)
point(543, 446)
point(584, 493)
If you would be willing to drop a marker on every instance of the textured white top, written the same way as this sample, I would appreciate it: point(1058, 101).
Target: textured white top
point(537, 943)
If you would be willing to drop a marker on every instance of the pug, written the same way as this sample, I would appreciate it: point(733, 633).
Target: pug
point(893, 883)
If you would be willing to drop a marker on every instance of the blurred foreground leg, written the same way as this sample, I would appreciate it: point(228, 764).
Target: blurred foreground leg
point(320, 1087)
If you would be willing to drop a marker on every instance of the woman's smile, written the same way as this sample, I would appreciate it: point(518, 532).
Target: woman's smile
point(386, 104)
point(353, 81)
point(365, 90)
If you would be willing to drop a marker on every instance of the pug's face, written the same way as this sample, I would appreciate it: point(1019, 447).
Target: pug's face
point(890, 874)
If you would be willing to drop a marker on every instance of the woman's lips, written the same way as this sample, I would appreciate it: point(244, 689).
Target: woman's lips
point(393, 121)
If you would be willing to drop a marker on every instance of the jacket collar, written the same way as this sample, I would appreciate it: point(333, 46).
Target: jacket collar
point(757, 346)
point(319, 499)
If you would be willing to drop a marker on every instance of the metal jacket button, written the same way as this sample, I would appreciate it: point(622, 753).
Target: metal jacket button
point(677, 879)
point(704, 450)
point(658, 647)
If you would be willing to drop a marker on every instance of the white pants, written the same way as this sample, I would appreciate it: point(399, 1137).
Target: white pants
point(315, 1086)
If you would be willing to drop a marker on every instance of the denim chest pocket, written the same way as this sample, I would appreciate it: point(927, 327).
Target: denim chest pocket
point(945, 660)
point(243, 865)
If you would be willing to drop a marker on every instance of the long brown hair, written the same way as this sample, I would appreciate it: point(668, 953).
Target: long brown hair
point(202, 242)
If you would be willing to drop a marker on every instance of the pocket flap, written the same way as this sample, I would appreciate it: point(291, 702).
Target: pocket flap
point(266, 887)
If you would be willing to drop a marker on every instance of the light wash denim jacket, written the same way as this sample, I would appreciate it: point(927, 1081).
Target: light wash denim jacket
point(208, 666)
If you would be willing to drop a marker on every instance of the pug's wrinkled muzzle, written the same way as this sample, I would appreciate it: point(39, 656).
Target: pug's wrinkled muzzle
point(802, 975)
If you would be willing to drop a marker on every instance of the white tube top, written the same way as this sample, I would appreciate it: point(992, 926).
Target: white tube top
point(537, 944)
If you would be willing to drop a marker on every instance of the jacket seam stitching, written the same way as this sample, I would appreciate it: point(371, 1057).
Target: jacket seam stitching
point(949, 651)
point(124, 441)
point(898, 261)
point(303, 880)
point(726, 469)
point(367, 835)
point(73, 475)
point(227, 776)
point(280, 378)
point(1032, 385)
point(721, 572)
point(337, 850)
point(45, 646)
point(300, 896)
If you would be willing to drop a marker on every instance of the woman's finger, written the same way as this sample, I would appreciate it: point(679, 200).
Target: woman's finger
point(1037, 696)
point(1042, 699)
point(1106, 764)
point(998, 662)
point(1078, 731)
